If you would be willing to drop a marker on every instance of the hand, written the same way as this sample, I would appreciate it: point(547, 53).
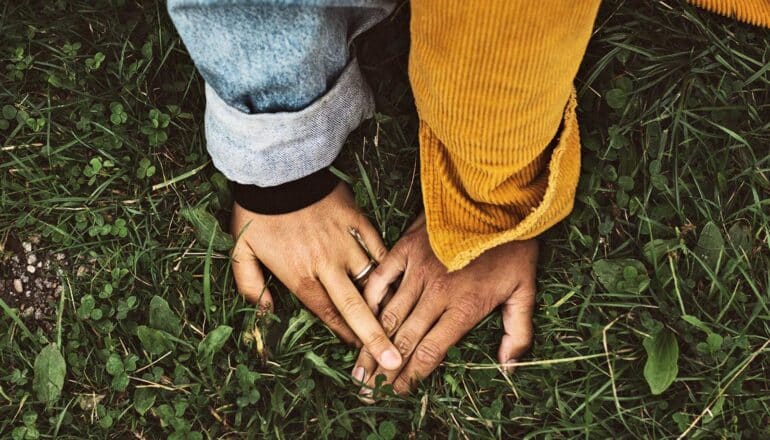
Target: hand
point(433, 309)
point(313, 253)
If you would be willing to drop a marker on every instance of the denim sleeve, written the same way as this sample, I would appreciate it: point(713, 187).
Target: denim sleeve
point(282, 91)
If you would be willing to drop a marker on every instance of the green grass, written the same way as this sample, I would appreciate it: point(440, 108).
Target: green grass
point(675, 111)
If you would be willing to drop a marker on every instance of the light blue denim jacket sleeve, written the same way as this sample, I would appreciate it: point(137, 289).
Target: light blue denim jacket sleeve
point(282, 91)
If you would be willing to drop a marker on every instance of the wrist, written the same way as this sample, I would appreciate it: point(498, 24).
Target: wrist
point(287, 197)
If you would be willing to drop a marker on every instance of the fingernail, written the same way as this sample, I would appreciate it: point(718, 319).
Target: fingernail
point(359, 374)
point(390, 359)
point(509, 369)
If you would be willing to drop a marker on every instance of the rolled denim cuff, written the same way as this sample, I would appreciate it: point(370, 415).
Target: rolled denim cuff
point(269, 149)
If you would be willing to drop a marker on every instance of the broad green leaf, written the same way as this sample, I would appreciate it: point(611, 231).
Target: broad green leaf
point(714, 341)
point(320, 365)
point(622, 275)
point(387, 430)
point(662, 364)
point(212, 343)
point(626, 183)
point(682, 420)
point(120, 382)
point(144, 398)
point(625, 84)
point(710, 245)
point(740, 236)
point(162, 317)
point(154, 341)
point(114, 364)
point(50, 369)
point(206, 226)
point(9, 112)
point(616, 98)
point(106, 421)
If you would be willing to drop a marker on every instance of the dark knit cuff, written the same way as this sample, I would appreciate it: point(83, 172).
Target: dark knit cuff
point(287, 197)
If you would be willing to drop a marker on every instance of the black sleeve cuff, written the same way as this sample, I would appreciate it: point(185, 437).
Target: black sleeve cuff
point(288, 197)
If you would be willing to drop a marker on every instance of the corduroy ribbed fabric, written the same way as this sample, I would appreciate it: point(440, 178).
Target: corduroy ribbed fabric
point(492, 81)
point(756, 12)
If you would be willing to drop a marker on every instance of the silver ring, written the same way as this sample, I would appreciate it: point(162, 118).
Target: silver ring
point(365, 272)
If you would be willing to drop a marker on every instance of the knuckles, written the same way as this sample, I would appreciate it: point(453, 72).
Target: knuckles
point(404, 344)
point(390, 321)
point(379, 253)
point(351, 305)
point(377, 341)
point(425, 272)
point(438, 287)
point(429, 353)
point(468, 303)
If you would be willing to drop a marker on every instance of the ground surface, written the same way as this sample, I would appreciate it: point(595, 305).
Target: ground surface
point(102, 160)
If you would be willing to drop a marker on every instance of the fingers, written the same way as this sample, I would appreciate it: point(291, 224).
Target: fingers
point(365, 365)
point(357, 261)
point(390, 268)
point(429, 353)
point(249, 278)
point(394, 313)
point(357, 314)
point(401, 303)
point(427, 311)
point(517, 324)
point(314, 297)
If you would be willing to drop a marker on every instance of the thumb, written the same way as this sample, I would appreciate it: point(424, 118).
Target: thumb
point(517, 324)
point(250, 280)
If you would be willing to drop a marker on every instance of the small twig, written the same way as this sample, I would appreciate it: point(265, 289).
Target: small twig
point(472, 366)
point(184, 254)
point(676, 284)
point(17, 147)
point(179, 178)
point(60, 312)
point(152, 363)
point(150, 384)
point(609, 366)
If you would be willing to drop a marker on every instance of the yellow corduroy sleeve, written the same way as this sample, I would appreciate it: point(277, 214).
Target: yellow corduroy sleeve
point(756, 12)
point(492, 81)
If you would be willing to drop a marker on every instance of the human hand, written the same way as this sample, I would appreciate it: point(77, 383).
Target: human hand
point(433, 309)
point(314, 254)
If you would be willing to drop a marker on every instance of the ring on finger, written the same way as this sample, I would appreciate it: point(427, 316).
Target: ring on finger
point(360, 278)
